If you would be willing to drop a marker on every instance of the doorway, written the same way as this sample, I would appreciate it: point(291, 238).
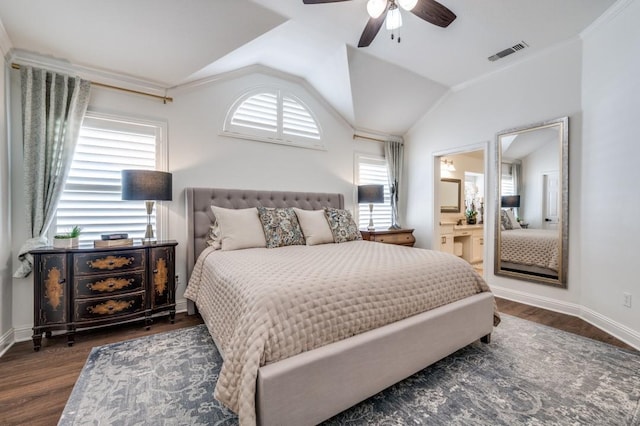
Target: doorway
point(455, 231)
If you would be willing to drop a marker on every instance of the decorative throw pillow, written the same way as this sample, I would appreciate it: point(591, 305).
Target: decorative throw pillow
point(504, 220)
point(512, 219)
point(342, 225)
point(281, 227)
point(213, 239)
point(314, 226)
point(239, 228)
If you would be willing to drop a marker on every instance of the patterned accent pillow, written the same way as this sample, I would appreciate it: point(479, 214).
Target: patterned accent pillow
point(214, 238)
point(504, 219)
point(281, 227)
point(342, 225)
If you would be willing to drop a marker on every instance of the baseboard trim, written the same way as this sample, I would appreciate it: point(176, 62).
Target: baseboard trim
point(620, 331)
point(22, 334)
point(614, 328)
point(537, 301)
point(6, 341)
point(181, 305)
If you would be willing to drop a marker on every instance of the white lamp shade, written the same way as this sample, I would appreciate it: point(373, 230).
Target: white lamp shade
point(376, 7)
point(407, 4)
point(394, 19)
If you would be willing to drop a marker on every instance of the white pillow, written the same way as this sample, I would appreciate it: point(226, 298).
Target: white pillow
point(314, 226)
point(239, 228)
point(512, 219)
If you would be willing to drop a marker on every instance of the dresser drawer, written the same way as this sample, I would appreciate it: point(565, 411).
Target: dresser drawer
point(399, 238)
point(108, 261)
point(106, 307)
point(103, 285)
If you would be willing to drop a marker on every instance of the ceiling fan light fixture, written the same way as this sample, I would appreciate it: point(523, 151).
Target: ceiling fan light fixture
point(394, 19)
point(407, 4)
point(376, 7)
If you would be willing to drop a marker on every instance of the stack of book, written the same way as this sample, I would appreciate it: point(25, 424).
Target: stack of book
point(113, 240)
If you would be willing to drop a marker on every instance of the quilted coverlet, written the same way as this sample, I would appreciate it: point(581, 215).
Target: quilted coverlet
point(534, 247)
point(264, 305)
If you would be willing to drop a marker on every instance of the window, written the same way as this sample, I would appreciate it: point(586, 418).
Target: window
point(272, 115)
point(370, 171)
point(507, 182)
point(91, 197)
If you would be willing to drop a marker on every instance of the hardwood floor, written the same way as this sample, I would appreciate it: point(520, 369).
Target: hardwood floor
point(557, 320)
point(35, 386)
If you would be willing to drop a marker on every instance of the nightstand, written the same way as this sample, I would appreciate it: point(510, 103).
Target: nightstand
point(402, 237)
point(87, 287)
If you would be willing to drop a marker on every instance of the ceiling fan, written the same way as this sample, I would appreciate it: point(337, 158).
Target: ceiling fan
point(379, 10)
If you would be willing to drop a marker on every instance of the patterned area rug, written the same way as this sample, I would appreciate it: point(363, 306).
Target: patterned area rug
point(529, 374)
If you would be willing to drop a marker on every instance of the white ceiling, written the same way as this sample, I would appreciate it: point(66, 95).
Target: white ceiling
point(385, 87)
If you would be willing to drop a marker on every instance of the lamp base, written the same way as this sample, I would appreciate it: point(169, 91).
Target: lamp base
point(371, 227)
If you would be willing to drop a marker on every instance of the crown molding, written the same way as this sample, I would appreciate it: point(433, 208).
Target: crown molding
point(5, 41)
point(262, 69)
point(24, 57)
point(613, 11)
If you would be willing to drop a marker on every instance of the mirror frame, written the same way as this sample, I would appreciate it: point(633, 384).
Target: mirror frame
point(563, 227)
point(450, 209)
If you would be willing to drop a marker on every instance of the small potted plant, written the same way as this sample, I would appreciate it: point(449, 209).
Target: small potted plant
point(67, 239)
point(471, 216)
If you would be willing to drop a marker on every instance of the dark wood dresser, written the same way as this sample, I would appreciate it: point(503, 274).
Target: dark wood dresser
point(402, 237)
point(88, 287)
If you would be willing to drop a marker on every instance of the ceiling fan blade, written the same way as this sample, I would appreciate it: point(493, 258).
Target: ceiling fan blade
point(434, 13)
point(321, 1)
point(371, 29)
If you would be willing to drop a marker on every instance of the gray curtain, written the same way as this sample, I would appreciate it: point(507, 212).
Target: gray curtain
point(517, 183)
point(394, 155)
point(53, 106)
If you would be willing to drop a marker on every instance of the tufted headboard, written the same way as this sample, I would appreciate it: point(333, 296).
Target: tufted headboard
point(200, 216)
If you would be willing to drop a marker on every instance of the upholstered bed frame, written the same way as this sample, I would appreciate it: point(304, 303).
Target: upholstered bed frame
point(315, 385)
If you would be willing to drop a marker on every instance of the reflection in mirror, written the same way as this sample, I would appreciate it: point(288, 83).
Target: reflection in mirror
point(532, 202)
point(450, 195)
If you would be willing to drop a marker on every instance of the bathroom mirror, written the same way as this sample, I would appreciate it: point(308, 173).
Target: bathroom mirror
point(532, 164)
point(450, 191)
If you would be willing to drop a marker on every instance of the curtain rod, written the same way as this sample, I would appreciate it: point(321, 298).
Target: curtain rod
point(164, 99)
point(371, 139)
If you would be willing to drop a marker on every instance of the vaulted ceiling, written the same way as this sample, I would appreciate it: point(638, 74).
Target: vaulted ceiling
point(385, 87)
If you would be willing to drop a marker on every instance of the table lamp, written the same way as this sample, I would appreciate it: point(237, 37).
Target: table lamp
point(147, 185)
point(370, 194)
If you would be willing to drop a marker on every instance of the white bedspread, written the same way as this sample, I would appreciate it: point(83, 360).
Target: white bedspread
point(265, 305)
point(533, 247)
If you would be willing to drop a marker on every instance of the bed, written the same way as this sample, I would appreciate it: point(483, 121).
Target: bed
point(308, 380)
point(535, 251)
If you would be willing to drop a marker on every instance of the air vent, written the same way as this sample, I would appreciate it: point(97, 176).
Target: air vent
point(509, 51)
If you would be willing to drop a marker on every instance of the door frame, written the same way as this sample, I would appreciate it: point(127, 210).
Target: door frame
point(488, 196)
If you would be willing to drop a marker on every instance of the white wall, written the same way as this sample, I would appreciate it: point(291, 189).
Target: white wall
point(6, 329)
point(595, 83)
point(200, 157)
point(610, 175)
point(545, 159)
point(544, 87)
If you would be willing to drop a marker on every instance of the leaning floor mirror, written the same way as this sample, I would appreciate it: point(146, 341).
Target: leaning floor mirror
point(532, 219)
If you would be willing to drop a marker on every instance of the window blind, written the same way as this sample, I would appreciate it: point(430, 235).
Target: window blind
point(297, 121)
point(273, 116)
point(373, 171)
point(92, 192)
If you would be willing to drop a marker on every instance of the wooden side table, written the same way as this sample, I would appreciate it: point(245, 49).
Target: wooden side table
point(402, 237)
point(86, 287)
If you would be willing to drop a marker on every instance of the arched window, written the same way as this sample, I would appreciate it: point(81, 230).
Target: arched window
point(273, 115)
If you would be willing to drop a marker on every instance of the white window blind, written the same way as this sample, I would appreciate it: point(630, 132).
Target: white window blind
point(92, 192)
point(506, 181)
point(271, 115)
point(297, 121)
point(373, 171)
point(259, 112)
